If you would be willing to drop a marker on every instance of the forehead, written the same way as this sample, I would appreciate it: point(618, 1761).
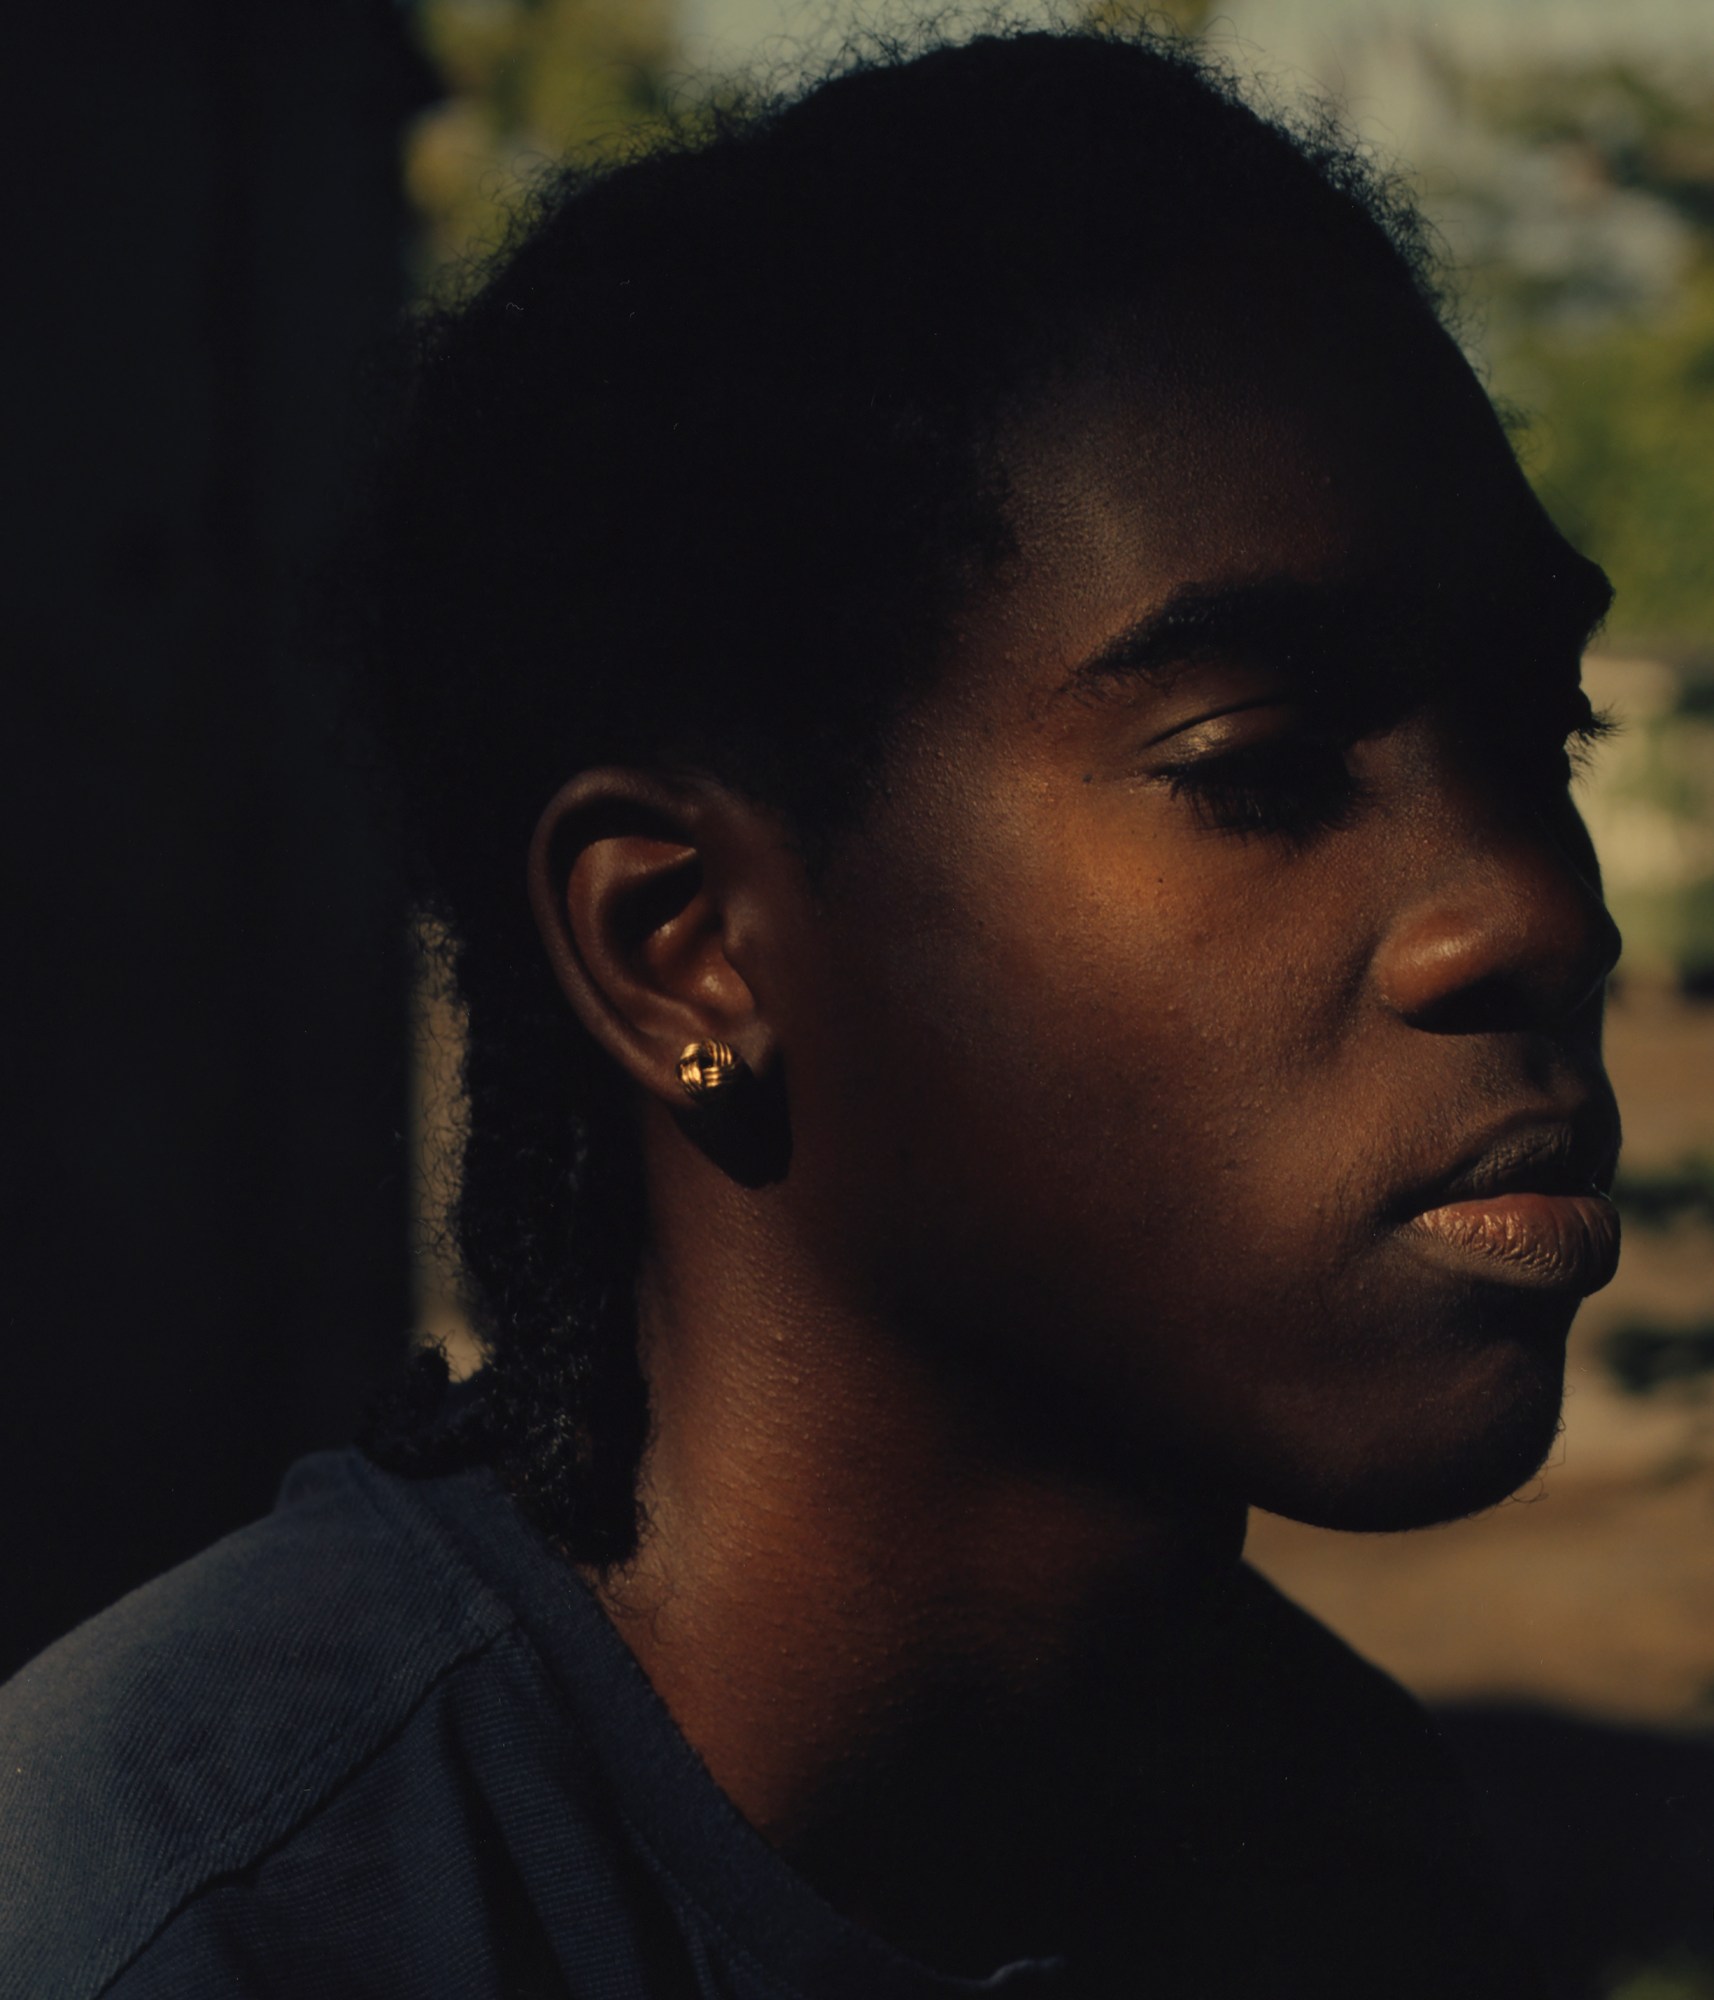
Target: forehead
point(1238, 451)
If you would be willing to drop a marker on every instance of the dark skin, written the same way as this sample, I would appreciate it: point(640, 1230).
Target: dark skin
point(1223, 895)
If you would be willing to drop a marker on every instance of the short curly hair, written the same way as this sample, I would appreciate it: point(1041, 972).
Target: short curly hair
point(723, 416)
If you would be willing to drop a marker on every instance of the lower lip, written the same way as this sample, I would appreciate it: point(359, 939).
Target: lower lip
point(1546, 1242)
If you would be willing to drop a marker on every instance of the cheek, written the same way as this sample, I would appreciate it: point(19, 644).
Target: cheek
point(1161, 1000)
point(1078, 1063)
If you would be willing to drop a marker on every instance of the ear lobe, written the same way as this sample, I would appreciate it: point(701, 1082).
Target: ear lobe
point(626, 895)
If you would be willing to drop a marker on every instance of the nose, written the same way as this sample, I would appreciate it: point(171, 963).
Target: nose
point(1508, 932)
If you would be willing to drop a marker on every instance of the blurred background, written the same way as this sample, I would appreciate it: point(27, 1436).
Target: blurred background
point(220, 1121)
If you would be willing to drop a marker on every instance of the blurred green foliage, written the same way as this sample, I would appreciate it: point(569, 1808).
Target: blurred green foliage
point(1615, 364)
point(1623, 455)
point(527, 82)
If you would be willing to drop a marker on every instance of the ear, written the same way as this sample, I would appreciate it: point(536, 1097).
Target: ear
point(645, 890)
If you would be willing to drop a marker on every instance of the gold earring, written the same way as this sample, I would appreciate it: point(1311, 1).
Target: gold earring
point(707, 1067)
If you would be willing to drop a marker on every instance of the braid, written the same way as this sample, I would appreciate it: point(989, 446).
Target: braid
point(548, 1216)
point(549, 1213)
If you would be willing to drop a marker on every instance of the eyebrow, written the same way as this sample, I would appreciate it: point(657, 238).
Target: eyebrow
point(1553, 606)
point(1275, 615)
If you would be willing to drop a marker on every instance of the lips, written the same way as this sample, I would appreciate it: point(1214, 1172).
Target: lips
point(1529, 1208)
point(1549, 1242)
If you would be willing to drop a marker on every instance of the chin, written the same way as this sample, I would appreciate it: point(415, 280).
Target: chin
point(1474, 1435)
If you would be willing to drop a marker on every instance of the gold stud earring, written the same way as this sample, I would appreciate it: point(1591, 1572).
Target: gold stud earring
point(707, 1067)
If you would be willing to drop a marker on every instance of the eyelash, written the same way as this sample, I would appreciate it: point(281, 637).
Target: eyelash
point(1295, 786)
point(1298, 786)
point(1585, 738)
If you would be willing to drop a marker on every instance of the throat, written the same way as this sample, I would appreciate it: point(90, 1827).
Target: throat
point(974, 1840)
point(954, 1760)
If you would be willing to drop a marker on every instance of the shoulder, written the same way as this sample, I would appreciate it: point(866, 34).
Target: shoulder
point(192, 1726)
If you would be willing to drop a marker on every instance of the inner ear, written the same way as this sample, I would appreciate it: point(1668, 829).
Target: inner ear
point(669, 877)
point(674, 868)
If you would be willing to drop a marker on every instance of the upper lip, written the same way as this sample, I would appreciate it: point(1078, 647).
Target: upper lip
point(1529, 1155)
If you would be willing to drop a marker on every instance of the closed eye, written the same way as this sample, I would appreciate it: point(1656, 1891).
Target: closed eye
point(1296, 785)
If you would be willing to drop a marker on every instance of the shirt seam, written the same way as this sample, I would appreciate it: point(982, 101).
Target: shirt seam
point(222, 1864)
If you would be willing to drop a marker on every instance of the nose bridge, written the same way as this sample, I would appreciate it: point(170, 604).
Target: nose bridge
point(1502, 922)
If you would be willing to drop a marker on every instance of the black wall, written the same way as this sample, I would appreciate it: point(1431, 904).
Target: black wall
point(204, 1181)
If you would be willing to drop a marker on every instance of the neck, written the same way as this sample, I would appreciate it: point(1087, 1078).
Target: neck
point(884, 1611)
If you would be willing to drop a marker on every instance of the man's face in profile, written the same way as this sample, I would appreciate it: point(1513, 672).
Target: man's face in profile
point(1225, 914)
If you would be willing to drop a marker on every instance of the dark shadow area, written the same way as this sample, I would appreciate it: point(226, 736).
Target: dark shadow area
point(746, 1131)
point(204, 1189)
point(1603, 1834)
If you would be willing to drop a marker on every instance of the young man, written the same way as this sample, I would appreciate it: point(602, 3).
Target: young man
point(988, 709)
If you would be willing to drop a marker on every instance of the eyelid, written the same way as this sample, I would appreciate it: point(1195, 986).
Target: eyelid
point(1275, 699)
